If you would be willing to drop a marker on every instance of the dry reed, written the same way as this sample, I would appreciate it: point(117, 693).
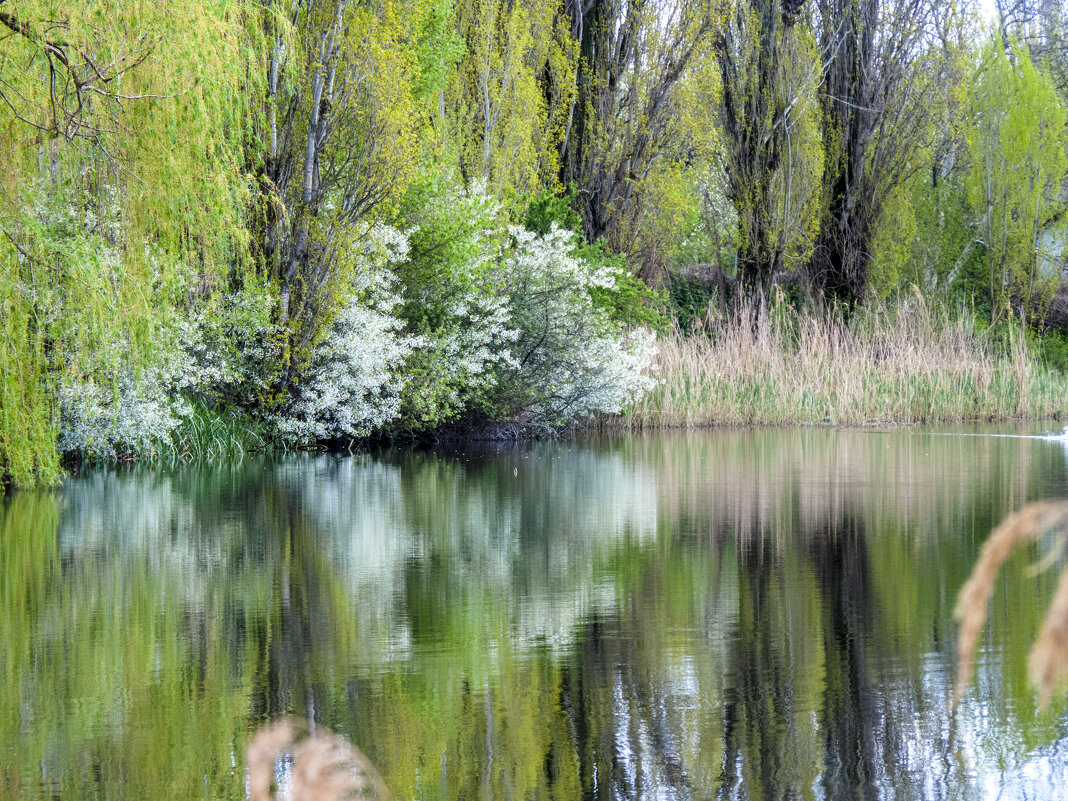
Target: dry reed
point(1048, 665)
point(324, 766)
point(779, 366)
point(1049, 656)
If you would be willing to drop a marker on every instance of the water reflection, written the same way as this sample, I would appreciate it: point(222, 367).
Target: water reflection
point(725, 615)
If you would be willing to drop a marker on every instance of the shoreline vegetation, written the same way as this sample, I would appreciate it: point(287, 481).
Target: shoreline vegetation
point(232, 227)
point(755, 366)
point(903, 364)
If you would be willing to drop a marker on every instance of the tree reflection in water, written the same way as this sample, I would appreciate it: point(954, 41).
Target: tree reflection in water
point(731, 615)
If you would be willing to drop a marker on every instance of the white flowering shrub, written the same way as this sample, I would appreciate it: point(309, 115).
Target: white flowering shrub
point(132, 416)
point(228, 347)
point(453, 299)
point(569, 359)
point(354, 382)
point(456, 317)
point(352, 386)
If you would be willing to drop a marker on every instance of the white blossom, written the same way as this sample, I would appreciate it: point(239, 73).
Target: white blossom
point(571, 360)
point(354, 382)
point(110, 420)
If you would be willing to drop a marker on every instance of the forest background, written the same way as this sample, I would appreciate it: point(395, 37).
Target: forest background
point(230, 224)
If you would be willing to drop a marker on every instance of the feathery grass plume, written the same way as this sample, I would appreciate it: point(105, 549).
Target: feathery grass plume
point(1026, 525)
point(262, 752)
point(1048, 665)
point(324, 766)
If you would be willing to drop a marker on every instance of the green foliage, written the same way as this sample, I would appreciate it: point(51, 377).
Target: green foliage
point(344, 112)
point(1053, 350)
point(893, 246)
point(709, 232)
point(690, 298)
point(213, 433)
point(229, 346)
point(191, 194)
point(448, 288)
point(644, 112)
point(507, 102)
point(512, 326)
point(124, 162)
point(629, 301)
point(28, 413)
point(69, 319)
point(774, 153)
point(1016, 142)
point(553, 208)
point(438, 49)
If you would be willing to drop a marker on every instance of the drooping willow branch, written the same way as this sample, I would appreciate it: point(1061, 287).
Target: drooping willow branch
point(73, 74)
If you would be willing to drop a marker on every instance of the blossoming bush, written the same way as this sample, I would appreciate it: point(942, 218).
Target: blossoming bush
point(458, 317)
point(113, 419)
point(569, 359)
point(353, 384)
point(514, 325)
point(451, 287)
point(228, 350)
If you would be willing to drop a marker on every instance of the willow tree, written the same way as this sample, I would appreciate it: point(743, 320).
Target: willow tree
point(624, 119)
point(1016, 141)
point(770, 70)
point(883, 84)
point(342, 125)
point(1042, 27)
point(506, 102)
point(121, 162)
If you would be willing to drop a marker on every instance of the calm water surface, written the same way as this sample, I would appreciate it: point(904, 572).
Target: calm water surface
point(725, 615)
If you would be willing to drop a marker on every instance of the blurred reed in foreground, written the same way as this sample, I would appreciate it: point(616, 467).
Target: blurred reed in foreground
point(909, 363)
point(290, 761)
point(1048, 665)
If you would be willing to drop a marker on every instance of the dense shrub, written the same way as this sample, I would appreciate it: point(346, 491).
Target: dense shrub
point(451, 299)
point(354, 382)
point(458, 317)
point(570, 358)
point(133, 415)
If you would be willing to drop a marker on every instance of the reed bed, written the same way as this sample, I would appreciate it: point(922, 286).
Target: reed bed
point(775, 365)
point(204, 433)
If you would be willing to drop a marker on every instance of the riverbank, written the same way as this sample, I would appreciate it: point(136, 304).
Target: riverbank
point(909, 364)
point(905, 364)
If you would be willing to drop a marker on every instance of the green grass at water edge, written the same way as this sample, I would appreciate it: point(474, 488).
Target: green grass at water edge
point(212, 434)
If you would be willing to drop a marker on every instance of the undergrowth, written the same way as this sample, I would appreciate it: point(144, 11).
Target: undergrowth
point(207, 433)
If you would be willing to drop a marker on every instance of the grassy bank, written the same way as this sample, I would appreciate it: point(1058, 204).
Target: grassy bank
point(215, 434)
point(905, 365)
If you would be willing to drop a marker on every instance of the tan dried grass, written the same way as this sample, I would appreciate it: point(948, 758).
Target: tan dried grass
point(1049, 657)
point(324, 766)
point(909, 363)
point(1048, 665)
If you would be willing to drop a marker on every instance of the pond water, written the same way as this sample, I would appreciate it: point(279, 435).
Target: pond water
point(729, 614)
